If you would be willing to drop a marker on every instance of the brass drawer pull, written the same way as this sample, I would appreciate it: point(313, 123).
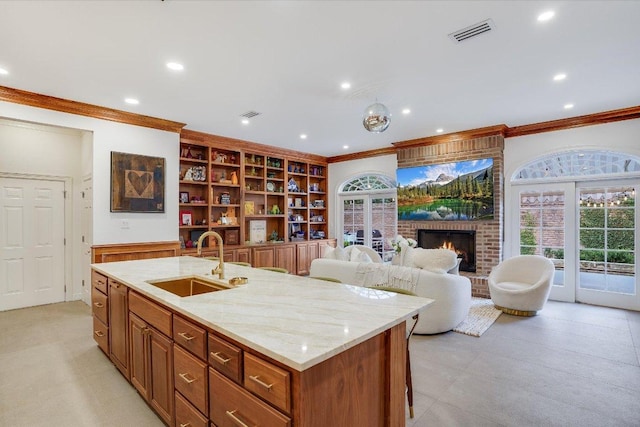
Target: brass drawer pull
point(257, 379)
point(99, 333)
point(186, 336)
point(186, 378)
point(219, 358)
point(98, 304)
point(185, 425)
point(236, 420)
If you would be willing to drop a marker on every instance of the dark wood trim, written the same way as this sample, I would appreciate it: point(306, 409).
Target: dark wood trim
point(456, 136)
point(80, 108)
point(187, 136)
point(574, 122)
point(133, 251)
point(362, 155)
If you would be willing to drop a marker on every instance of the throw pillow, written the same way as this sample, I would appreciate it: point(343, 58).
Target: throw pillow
point(335, 253)
point(435, 260)
point(359, 256)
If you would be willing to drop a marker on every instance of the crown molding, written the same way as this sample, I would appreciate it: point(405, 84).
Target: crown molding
point(188, 135)
point(362, 155)
point(456, 136)
point(80, 108)
point(574, 122)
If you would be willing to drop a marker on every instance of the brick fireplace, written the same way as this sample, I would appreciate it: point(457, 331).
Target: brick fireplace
point(488, 233)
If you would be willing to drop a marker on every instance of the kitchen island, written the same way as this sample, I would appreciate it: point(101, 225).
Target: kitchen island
point(279, 350)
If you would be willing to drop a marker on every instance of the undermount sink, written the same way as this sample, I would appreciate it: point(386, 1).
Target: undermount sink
point(188, 286)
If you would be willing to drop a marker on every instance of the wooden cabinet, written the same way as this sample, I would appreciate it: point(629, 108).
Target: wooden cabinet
point(100, 310)
point(230, 406)
point(306, 252)
point(285, 257)
point(267, 381)
point(119, 326)
point(263, 256)
point(225, 358)
point(190, 378)
point(151, 356)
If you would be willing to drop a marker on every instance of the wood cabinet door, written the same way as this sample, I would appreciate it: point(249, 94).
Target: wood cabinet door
point(243, 255)
point(263, 257)
point(307, 252)
point(286, 257)
point(161, 375)
point(138, 339)
point(119, 326)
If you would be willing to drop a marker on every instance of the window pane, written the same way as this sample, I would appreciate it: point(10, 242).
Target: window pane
point(592, 238)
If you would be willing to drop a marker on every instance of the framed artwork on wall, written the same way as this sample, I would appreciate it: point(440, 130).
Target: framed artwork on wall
point(449, 192)
point(137, 183)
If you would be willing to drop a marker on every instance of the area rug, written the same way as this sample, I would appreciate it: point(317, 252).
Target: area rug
point(481, 316)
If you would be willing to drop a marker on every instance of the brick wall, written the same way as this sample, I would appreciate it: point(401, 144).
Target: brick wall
point(489, 234)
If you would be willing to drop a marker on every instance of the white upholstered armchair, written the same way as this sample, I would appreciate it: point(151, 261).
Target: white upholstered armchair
point(521, 285)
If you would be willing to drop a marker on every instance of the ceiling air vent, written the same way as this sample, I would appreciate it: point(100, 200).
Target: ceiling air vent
point(250, 114)
point(472, 31)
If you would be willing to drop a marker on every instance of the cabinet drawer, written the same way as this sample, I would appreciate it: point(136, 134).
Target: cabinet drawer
point(100, 305)
point(225, 357)
point(99, 281)
point(230, 405)
point(101, 335)
point(187, 415)
point(267, 381)
point(190, 378)
point(151, 313)
point(190, 336)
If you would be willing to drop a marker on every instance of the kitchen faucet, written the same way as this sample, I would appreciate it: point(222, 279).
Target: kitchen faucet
point(219, 270)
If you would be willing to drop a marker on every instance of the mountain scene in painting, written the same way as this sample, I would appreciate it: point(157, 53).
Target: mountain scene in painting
point(451, 191)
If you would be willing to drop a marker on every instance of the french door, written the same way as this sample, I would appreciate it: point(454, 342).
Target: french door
point(545, 227)
point(606, 224)
point(369, 220)
point(589, 232)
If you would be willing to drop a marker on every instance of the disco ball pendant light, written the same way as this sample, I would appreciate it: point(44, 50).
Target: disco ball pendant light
point(376, 118)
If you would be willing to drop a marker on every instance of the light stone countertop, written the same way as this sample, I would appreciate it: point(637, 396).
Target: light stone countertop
point(295, 320)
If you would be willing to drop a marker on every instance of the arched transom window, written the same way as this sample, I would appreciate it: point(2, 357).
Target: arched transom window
point(368, 183)
point(584, 164)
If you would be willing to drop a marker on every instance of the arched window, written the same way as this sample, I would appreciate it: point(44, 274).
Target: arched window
point(368, 212)
point(578, 165)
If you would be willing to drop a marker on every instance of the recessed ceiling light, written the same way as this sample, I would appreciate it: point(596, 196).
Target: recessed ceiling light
point(131, 101)
point(559, 77)
point(568, 106)
point(245, 121)
point(406, 111)
point(3, 71)
point(344, 147)
point(303, 136)
point(545, 16)
point(175, 66)
point(346, 85)
point(439, 130)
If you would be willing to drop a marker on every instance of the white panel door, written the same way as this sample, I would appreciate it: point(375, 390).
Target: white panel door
point(31, 242)
point(87, 237)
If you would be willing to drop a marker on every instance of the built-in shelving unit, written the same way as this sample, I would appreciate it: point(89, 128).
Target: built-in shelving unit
point(248, 194)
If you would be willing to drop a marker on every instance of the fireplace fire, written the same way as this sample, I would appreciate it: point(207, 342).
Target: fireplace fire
point(462, 242)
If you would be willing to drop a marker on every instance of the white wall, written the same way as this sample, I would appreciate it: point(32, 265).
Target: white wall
point(111, 136)
point(344, 171)
point(623, 137)
point(77, 146)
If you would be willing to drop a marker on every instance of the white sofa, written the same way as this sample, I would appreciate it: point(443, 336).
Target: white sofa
point(452, 293)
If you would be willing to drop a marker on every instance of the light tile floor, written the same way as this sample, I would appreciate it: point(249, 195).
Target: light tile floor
point(572, 365)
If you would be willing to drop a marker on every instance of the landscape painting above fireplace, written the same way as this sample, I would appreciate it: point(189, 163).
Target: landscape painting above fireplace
point(449, 191)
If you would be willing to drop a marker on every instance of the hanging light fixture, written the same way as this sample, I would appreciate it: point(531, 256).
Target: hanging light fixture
point(376, 118)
